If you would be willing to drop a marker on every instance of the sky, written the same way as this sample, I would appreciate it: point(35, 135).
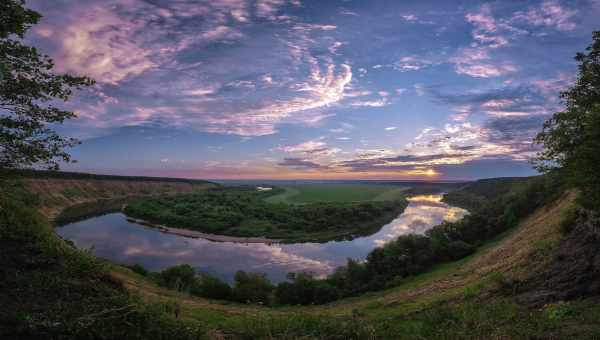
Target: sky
point(307, 89)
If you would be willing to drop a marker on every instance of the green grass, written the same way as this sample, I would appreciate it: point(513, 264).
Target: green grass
point(310, 193)
point(285, 196)
point(500, 318)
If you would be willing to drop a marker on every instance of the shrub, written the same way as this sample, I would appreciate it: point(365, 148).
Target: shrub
point(252, 288)
point(211, 288)
point(180, 278)
point(137, 268)
point(569, 220)
point(459, 249)
point(304, 289)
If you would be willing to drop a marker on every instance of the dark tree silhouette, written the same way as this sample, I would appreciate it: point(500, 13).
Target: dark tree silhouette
point(571, 138)
point(28, 93)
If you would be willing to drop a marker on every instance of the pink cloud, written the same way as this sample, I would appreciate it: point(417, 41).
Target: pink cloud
point(410, 17)
point(550, 14)
point(102, 45)
point(320, 90)
point(476, 62)
point(552, 86)
point(119, 39)
point(456, 144)
point(370, 103)
point(312, 149)
point(411, 63)
point(486, 28)
point(497, 103)
point(483, 20)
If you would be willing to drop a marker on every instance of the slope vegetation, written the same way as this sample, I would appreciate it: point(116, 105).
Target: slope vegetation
point(538, 280)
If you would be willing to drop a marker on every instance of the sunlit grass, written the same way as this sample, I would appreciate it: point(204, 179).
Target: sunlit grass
point(309, 193)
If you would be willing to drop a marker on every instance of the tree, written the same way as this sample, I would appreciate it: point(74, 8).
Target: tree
point(211, 287)
point(28, 91)
point(305, 289)
point(181, 277)
point(252, 288)
point(571, 138)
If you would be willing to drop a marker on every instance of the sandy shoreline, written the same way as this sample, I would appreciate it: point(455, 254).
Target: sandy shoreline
point(198, 234)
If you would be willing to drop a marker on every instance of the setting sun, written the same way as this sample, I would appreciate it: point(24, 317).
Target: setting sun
point(430, 173)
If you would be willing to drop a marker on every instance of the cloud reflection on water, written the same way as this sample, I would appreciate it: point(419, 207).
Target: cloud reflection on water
point(114, 238)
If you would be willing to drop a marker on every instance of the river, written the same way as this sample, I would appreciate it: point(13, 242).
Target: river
point(113, 238)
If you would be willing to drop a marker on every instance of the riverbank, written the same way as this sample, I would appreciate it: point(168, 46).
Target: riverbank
point(197, 234)
point(59, 193)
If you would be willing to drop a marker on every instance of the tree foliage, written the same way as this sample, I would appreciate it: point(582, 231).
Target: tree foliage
point(571, 138)
point(180, 278)
point(28, 93)
point(252, 288)
point(304, 289)
point(244, 212)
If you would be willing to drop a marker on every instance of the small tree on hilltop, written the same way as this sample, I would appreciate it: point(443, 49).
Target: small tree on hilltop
point(27, 90)
point(571, 138)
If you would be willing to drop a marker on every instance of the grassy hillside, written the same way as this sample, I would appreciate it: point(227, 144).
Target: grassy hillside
point(60, 190)
point(47, 174)
point(50, 290)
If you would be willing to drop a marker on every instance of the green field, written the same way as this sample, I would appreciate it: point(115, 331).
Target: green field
point(310, 193)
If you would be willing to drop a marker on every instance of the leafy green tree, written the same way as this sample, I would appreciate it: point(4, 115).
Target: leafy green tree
point(138, 268)
point(571, 138)
point(211, 287)
point(304, 289)
point(28, 91)
point(300, 290)
point(252, 288)
point(180, 278)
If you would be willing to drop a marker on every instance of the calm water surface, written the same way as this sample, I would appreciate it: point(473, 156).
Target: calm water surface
point(113, 238)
